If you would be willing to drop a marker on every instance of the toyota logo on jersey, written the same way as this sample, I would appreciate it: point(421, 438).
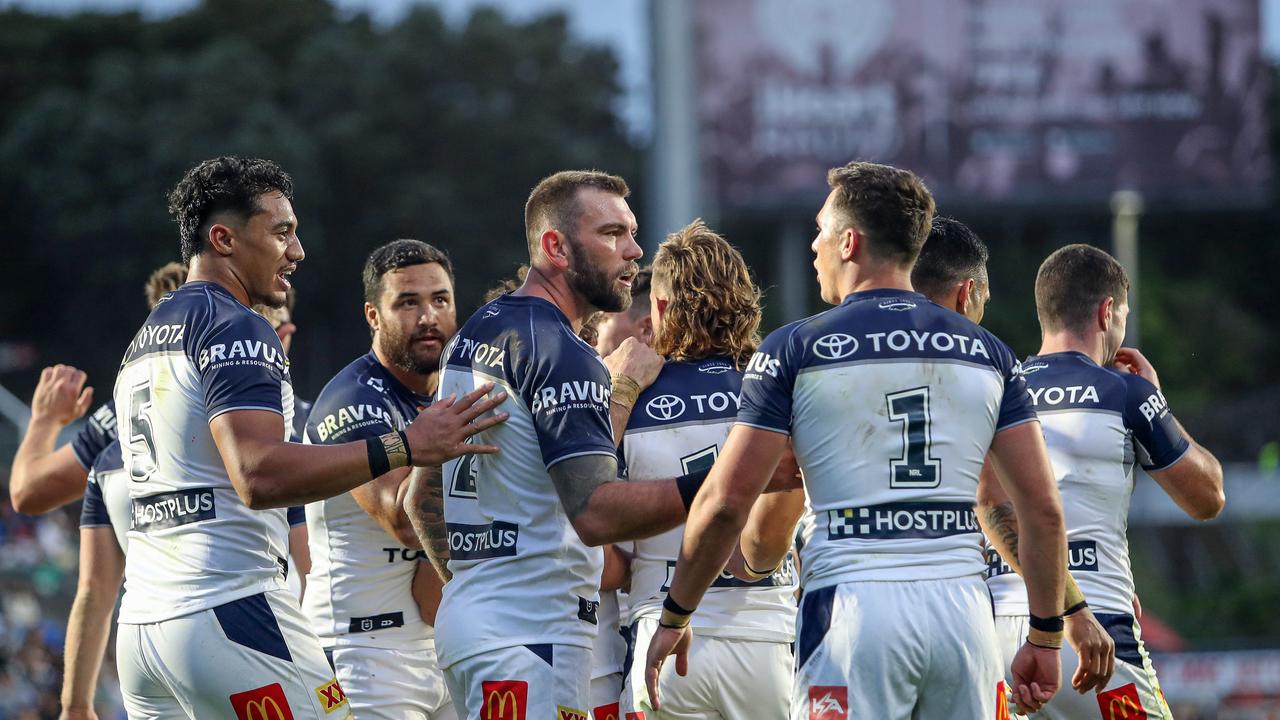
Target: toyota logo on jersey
point(835, 346)
point(665, 407)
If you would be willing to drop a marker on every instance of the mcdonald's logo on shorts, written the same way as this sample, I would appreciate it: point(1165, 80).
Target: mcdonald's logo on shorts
point(331, 696)
point(1002, 701)
point(607, 712)
point(265, 703)
point(635, 715)
point(504, 699)
point(1122, 703)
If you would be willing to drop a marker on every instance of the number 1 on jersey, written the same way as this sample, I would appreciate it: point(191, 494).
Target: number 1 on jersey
point(915, 468)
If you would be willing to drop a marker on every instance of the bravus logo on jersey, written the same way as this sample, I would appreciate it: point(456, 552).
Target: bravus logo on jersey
point(243, 351)
point(351, 415)
point(572, 394)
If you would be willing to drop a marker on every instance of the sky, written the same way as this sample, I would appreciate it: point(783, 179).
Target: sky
point(621, 24)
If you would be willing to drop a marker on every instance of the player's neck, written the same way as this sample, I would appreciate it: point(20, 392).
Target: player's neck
point(1071, 342)
point(218, 273)
point(861, 279)
point(416, 382)
point(554, 288)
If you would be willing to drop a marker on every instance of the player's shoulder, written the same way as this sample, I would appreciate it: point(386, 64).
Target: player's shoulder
point(109, 460)
point(362, 378)
point(1067, 380)
point(689, 390)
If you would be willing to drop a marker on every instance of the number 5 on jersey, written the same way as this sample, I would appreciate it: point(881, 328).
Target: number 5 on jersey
point(141, 455)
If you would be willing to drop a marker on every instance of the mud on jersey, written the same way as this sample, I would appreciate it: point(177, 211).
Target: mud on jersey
point(1098, 423)
point(679, 426)
point(359, 591)
point(891, 403)
point(521, 574)
point(193, 544)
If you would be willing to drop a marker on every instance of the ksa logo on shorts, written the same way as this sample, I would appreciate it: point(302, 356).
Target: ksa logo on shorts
point(828, 702)
point(504, 699)
point(1122, 703)
point(265, 703)
point(664, 407)
point(835, 346)
point(331, 696)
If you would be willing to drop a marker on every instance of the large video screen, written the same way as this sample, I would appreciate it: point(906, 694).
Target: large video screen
point(989, 100)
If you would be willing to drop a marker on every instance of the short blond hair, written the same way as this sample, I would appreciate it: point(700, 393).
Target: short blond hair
point(164, 280)
point(714, 305)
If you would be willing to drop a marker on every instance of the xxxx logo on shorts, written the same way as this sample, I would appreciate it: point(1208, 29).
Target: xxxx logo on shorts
point(828, 702)
point(1122, 703)
point(607, 712)
point(1002, 702)
point(265, 703)
point(568, 713)
point(504, 699)
point(331, 696)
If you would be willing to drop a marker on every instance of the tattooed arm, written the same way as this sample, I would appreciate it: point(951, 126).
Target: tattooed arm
point(1095, 648)
point(424, 503)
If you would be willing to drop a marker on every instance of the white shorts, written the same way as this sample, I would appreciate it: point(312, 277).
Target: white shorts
point(727, 679)
point(249, 659)
point(896, 650)
point(392, 684)
point(1133, 691)
point(525, 681)
point(605, 691)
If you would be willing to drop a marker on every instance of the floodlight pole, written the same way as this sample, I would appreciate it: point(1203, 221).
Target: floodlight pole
point(1126, 209)
point(674, 188)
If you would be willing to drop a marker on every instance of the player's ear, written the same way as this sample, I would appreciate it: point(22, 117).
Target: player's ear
point(964, 296)
point(555, 247)
point(220, 237)
point(850, 241)
point(1104, 313)
point(371, 315)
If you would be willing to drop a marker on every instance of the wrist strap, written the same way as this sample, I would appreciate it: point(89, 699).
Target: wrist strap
point(1043, 639)
point(1049, 624)
point(387, 452)
point(625, 389)
point(1075, 608)
point(688, 485)
point(673, 615)
point(379, 463)
point(755, 574)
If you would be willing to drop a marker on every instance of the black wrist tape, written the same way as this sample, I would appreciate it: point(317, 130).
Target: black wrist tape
point(379, 463)
point(673, 606)
point(688, 485)
point(1076, 608)
point(1049, 624)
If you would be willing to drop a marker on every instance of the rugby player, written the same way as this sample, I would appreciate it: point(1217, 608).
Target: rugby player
point(203, 394)
point(952, 272)
point(42, 479)
point(1103, 412)
point(518, 617)
point(365, 552)
point(891, 403)
point(706, 311)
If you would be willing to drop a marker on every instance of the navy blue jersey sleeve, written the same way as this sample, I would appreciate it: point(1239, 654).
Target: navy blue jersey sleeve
point(241, 364)
point(93, 512)
point(769, 381)
point(1157, 440)
point(98, 432)
point(349, 410)
point(567, 389)
point(1016, 406)
point(297, 516)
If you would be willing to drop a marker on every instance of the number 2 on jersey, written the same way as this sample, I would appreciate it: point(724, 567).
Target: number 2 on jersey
point(915, 468)
point(142, 454)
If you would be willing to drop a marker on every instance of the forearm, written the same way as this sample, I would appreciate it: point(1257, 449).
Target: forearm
point(709, 538)
point(1000, 525)
point(384, 500)
point(424, 505)
point(280, 474)
point(770, 530)
point(42, 478)
point(618, 511)
point(88, 627)
point(619, 415)
point(427, 585)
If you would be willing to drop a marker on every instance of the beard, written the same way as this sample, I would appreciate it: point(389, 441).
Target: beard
point(399, 350)
point(596, 285)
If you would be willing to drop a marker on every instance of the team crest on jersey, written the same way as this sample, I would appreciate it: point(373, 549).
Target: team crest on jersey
point(568, 713)
point(504, 700)
point(715, 367)
point(664, 407)
point(828, 702)
point(1028, 368)
point(897, 305)
point(1122, 703)
point(375, 383)
point(835, 346)
point(331, 696)
point(265, 703)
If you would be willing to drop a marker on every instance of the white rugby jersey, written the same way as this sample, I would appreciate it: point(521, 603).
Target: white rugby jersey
point(360, 588)
point(1098, 423)
point(521, 574)
point(193, 544)
point(891, 403)
point(679, 426)
point(106, 496)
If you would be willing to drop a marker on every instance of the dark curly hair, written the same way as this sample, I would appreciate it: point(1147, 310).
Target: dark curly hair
point(400, 254)
point(223, 184)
